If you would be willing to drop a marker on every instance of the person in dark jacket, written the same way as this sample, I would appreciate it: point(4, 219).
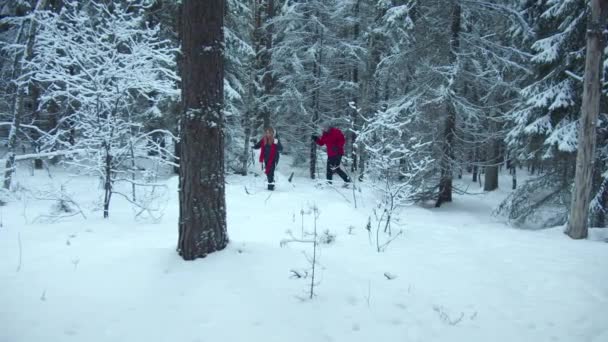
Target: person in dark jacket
point(334, 140)
point(270, 148)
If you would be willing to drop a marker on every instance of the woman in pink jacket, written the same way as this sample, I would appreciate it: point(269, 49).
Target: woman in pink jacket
point(334, 140)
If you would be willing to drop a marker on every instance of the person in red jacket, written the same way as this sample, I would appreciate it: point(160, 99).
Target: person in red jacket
point(334, 140)
point(269, 147)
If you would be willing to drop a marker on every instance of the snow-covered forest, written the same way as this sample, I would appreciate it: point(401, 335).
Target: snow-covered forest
point(467, 139)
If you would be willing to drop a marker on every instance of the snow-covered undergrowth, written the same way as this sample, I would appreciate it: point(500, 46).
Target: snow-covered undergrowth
point(455, 274)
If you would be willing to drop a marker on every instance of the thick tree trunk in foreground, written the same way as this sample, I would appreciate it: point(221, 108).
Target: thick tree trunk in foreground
point(202, 216)
point(579, 209)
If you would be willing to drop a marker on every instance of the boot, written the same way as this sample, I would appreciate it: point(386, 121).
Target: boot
point(271, 187)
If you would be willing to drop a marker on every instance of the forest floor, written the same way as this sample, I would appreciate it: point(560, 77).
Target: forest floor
point(456, 273)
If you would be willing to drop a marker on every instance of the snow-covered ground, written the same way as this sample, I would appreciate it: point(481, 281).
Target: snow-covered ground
point(458, 274)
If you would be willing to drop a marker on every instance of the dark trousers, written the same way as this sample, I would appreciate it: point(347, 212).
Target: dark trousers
point(333, 166)
point(270, 175)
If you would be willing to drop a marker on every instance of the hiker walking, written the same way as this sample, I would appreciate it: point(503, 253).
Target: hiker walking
point(334, 140)
point(270, 148)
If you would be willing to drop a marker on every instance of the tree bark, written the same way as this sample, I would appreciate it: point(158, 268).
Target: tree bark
point(262, 36)
point(368, 91)
point(202, 217)
point(447, 158)
point(491, 179)
point(254, 109)
point(514, 174)
point(316, 98)
point(355, 79)
point(18, 109)
point(475, 172)
point(493, 157)
point(268, 79)
point(107, 181)
point(315, 122)
point(246, 148)
point(579, 209)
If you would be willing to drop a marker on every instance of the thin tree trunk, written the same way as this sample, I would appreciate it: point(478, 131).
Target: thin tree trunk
point(315, 122)
point(316, 95)
point(263, 31)
point(178, 154)
point(579, 210)
point(247, 132)
point(493, 154)
point(133, 170)
point(202, 216)
point(603, 203)
point(313, 159)
point(445, 182)
point(475, 172)
point(253, 95)
point(474, 167)
point(368, 92)
point(601, 184)
point(268, 80)
point(514, 174)
point(18, 109)
point(355, 79)
point(491, 179)
point(107, 181)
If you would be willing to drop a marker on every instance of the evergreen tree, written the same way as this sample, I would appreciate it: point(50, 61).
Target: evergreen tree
point(202, 219)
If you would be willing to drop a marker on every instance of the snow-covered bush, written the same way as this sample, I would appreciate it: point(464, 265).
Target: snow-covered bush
point(540, 202)
point(110, 72)
point(397, 161)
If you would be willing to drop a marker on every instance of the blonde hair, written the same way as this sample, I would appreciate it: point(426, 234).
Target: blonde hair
point(268, 140)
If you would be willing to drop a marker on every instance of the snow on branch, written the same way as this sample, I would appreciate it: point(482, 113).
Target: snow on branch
point(506, 10)
point(105, 74)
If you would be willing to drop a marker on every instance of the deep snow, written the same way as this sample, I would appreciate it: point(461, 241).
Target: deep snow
point(459, 273)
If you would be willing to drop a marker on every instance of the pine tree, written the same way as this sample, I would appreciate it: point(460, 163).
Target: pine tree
point(202, 220)
point(239, 86)
point(546, 121)
point(311, 63)
point(21, 88)
point(579, 212)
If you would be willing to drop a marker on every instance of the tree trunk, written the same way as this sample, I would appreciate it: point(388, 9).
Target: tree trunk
point(316, 98)
point(268, 80)
point(313, 160)
point(447, 159)
point(603, 202)
point(493, 157)
point(600, 183)
point(475, 172)
point(514, 174)
point(263, 47)
point(445, 182)
point(247, 132)
point(202, 216)
point(18, 109)
point(579, 209)
point(315, 123)
point(254, 96)
point(491, 181)
point(107, 181)
point(355, 79)
point(177, 147)
point(368, 93)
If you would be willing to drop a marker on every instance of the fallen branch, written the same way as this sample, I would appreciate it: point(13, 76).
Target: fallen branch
point(45, 155)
